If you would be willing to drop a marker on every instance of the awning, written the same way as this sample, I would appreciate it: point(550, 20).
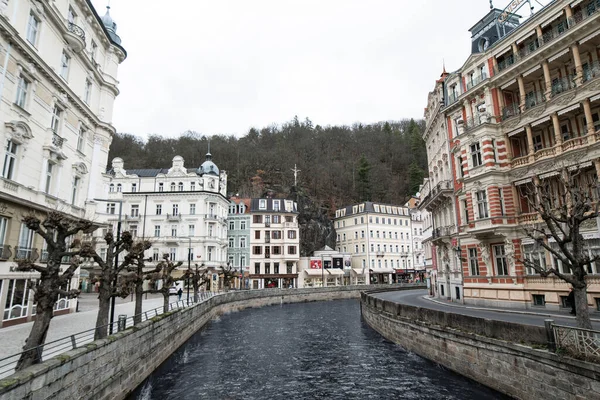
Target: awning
point(334, 271)
point(358, 271)
point(313, 272)
point(383, 271)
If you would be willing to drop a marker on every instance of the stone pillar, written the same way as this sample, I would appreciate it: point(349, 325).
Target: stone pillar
point(529, 141)
point(557, 133)
point(568, 12)
point(521, 92)
point(578, 67)
point(509, 149)
point(538, 32)
point(467, 106)
point(44, 169)
point(597, 166)
point(515, 49)
point(587, 109)
point(547, 79)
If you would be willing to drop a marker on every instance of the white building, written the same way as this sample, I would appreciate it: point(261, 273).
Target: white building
point(326, 267)
point(58, 83)
point(379, 237)
point(418, 250)
point(426, 243)
point(181, 211)
point(275, 241)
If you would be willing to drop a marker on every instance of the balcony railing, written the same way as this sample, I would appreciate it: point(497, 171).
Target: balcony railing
point(267, 224)
point(212, 216)
point(544, 153)
point(173, 217)
point(443, 231)
point(533, 99)
point(507, 62)
point(591, 71)
point(5, 252)
point(452, 98)
point(555, 32)
point(520, 161)
point(57, 141)
point(574, 143)
point(529, 48)
point(510, 111)
point(26, 253)
point(267, 240)
point(379, 253)
point(562, 85)
point(581, 16)
point(528, 218)
point(476, 80)
point(76, 30)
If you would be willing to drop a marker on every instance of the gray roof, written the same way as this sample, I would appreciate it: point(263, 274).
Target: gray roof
point(254, 206)
point(370, 209)
point(148, 172)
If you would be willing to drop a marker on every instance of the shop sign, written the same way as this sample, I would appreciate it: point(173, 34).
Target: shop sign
point(512, 7)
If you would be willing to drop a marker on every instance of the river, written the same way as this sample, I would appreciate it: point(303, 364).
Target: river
point(320, 350)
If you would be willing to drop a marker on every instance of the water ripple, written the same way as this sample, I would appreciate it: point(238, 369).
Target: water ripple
point(301, 351)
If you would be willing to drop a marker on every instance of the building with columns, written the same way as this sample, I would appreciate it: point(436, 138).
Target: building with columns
point(182, 211)
point(523, 108)
point(58, 84)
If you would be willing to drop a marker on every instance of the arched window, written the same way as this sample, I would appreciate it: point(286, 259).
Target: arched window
point(111, 187)
point(160, 186)
point(119, 188)
point(181, 186)
point(172, 186)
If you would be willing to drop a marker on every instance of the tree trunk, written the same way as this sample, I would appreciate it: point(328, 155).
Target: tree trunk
point(139, 292)
point(31, 354)
point(165, 301)
point(581, 307)
point(104, 293)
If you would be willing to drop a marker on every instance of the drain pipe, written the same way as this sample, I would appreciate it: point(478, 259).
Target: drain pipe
point(6, 58)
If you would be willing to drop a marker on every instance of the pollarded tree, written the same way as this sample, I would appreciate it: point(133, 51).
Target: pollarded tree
point(57, 230)
point(228, 275)
point(565, 204)
point(199, 277)
point(163, 273)
point(132, 277)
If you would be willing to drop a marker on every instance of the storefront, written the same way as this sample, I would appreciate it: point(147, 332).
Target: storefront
point(357, 276)
point(381, 276)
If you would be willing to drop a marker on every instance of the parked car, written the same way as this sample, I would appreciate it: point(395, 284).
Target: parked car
point(173, 290)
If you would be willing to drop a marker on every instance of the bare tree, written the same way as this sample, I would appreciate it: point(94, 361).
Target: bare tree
point(228, 275)
point(132, 277)
point(564, 205)
point(57, 229)
point(199, 277)
point(163, 272)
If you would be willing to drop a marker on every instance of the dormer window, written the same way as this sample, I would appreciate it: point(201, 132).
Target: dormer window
point(180, 186)
point(192, 186)
point(262, 204)
point(161, 187)
point(172, 186)
point(111, 187)
point(119, 188)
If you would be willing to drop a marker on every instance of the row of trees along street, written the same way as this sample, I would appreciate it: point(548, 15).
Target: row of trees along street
point(115, 279)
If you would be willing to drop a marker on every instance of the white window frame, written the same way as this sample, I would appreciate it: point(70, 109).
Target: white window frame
point(482, 204)
point(33, 29)
point(476, 157)
point(500, 260)
point(65, 62)
point(23, 87)
point(10, 160)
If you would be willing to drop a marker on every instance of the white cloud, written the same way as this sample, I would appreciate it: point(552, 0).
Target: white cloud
point(225, 66)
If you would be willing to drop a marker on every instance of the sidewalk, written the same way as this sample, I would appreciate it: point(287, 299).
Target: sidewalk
point(13, 337)
point(541, 312)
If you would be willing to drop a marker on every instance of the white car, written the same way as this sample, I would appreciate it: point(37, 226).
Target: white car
point(173, 290)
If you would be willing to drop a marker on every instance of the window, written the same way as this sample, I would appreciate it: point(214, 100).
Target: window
point(22, 89)
point(231, 225)
point(191, 230)
point(210, 229)
point(33, 28)
point(76, 181)
point(262, 204)
point(155, 254)
point(134, 187)
point(119, 188)
point(257, 219)
point(476, 154)
point(93, 50)
point(473, 262)
point(192, 186)
point(344, 237)
point(291, 234)
point(537, 142)
point(291, 249)
point(276, 219)
point(289, 219)
point(81, 140)
point(111, 187)
point(17, 299)
point(539, 300)
point(231, 242)
point(10, 160)
point(25, 242)
point(135, 210)
point(275, 205)
point(87, 92)
point(65, 60)
point(133, 230)
point(180, 186)
point(242, 261)
point(243, 242)
point(192, 209)
point(161, 187)
point(173, 186)
point(501, 197)
point(257, 268)
point(256, 250)
point(482, 206)
point(175, 209)
point(56, 119)
point(276, 250)
point(172, 253)
point(460, 167)
point(158, 209)
point(275, 268)
point(276, 235)
point(173, 230)
point(242, 225)
point(501, 262)
point(466, 213)
point(157, 230)
point(535, 256)
point(110, 208)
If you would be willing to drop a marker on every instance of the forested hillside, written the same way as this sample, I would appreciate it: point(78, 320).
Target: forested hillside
point(339, 165)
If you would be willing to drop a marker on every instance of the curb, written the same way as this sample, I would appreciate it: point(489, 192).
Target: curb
point(426, 297)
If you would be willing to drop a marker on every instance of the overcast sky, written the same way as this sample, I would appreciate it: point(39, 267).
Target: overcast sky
point(224, 66)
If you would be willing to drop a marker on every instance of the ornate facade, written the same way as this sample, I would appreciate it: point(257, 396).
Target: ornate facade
point(57, 87)
point(524, 107)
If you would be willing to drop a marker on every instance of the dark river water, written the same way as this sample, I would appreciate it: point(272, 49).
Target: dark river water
point(301, 351)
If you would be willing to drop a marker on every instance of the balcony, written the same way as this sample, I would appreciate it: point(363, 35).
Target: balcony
point(562, 85)
point(132, 217)
point(510, 111)
point(543, 153)
point(379, 253)
point(438, 194)
point(26, 253)
point(267, 224)
point(574, 143)
point(213, 217)
point(57, 141)
point(533, 99)
point(173, 217)
point(452, 98)
point(506, 62)
point(5, 252)
point(443, 232)
point(591, 71)
point(75, 37)
point(583, 15)
point(267, 255)
point(267, 240)
point(476, 80)
point(529, 218)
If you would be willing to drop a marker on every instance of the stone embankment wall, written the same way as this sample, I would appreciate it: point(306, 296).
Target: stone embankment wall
point(111, 368)
point(486, 351)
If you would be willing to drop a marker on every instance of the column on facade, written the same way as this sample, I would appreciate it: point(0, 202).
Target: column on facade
point(547, 79)
point(568, 11)
point(557, 133)
point(95, 171)
point(44, 168)
point(521, 84)
point(540, 35)
point(509, 149)
point(589, 120)
point(530, 147)
point(597, 166)
point(578, 66)
point(467, 107)
point(57, 192)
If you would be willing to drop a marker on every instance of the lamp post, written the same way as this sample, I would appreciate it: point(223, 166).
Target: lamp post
point(189, 268)
point(114, 283)
point(404, 256)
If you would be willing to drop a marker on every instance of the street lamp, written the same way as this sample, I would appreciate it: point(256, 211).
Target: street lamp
point(114, 283)
point(189, 268)
point(404, 256)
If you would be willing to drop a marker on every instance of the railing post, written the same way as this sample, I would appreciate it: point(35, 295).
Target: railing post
point(122, 322)
point(550, 334)
point(146, 315)
point(73, 342)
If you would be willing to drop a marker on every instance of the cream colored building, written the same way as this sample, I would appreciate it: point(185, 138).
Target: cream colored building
point(58, 83)
point(523, 107)
point(379, 237)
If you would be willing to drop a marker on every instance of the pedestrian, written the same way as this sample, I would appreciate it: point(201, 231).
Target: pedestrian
point(571, 302)
point(179, 294)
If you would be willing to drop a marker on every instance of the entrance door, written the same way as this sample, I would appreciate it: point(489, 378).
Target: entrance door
point(457, 293)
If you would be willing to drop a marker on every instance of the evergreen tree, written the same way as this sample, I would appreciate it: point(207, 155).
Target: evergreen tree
point(415, 176)
point(364, 184)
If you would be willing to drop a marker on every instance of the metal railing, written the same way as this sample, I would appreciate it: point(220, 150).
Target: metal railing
point(577, 342)
point(529, 48)
point(585, 13)
point(562, 85)
point(510, 111)
point(57, 141)
point(77, 31)
point(453, 98)
point(477, 79)
point(80, 339)
point(591, 71)
point(507, 62)
point(533, 99)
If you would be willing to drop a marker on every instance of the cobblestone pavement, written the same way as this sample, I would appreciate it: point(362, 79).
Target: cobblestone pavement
point(13, 337)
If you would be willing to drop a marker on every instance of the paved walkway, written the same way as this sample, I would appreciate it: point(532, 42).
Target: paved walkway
point(13, 337)
point(419, 298)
